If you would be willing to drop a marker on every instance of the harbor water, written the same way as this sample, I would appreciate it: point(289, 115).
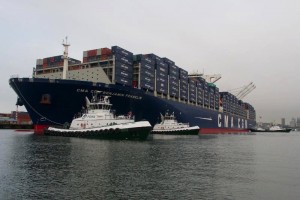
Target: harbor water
point(240, 166)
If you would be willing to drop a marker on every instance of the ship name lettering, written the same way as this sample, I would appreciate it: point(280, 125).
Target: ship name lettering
point(226, 121)
point(110, 93)
point(133, 96)
point(118, 94)
point(219, 120)
point(82, 90)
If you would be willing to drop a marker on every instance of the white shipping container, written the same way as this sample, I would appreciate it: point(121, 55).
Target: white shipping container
point(98, 52)
point(85, 54)
point(39, 62)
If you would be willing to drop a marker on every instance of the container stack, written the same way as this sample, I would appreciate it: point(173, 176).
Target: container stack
point(206, 95)
point(211, 88)
point(144, 70)
point(39, 64)
point(97, 55)
point(231, 104)
point(242, 111)
point(54, 61)
point(72, 61)
point(235, 106)
point(173, 83)
point(217, 98)
point(251, 110)
point(192, 90)
point(225, 101)
point(161, 76)
point(200, 91)
point(183, 76)
point(123, 65)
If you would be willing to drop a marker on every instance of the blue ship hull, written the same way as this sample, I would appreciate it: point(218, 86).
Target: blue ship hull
point(55, 102)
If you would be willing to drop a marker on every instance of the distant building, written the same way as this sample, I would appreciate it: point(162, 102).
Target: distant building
point(298, 122)
point(282, 122)
point(15, 118)
point(293, 122)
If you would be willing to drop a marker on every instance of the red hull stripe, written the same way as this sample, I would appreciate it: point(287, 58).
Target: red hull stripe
point(222, 130)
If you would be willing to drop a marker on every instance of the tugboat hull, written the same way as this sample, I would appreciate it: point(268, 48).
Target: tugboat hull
point(132, 131)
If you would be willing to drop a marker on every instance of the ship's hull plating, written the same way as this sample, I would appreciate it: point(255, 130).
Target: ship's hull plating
point(55, 102)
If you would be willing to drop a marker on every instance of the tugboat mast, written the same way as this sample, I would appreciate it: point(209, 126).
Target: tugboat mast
point(65, 57)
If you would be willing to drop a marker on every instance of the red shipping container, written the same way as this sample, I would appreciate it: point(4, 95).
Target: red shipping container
point(92, 53)
point(44, 61)
point(104, 57)
point(105, 51)
point(134, 84)
point(84, 59)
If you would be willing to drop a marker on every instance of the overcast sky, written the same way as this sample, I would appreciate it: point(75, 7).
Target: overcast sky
point(243, 40)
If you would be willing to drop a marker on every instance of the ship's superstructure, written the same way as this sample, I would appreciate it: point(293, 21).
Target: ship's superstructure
point(143, 77)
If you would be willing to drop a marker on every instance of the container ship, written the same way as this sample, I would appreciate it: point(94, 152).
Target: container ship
point(144, 85)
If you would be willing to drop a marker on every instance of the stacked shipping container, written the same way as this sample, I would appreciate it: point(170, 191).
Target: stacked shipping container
point(145, 70)
point(192, 90)
point(237, 107)
point(54, 61)
point(200, 91)
point(161, 74)
point(173, 80)
point(152, 73)
point(123, 62)
point(123, 59)
point(183, 88)
point(97, 55)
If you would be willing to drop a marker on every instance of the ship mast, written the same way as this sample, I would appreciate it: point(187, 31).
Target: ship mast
point(65, 57)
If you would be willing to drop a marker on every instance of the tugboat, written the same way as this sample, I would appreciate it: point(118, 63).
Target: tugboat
point(170, 126)
point(258, 129)
point(276, 128)
point(273, 128)
point(100, 122)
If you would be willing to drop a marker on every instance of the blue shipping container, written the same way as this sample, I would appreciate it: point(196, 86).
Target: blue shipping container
point(147, 79)
point(162, 64)
point(124, 67)
point(147, 73)
point(168, 61)
point(143, 59)
point(121, 51)
point(147, 66)
point(123, 81)
point(162, 69)
point(123, 59)
point(123, 73)
point(161, 75)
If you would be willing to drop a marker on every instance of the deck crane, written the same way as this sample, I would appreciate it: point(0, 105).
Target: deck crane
point(245, 90)
point(208, 78)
